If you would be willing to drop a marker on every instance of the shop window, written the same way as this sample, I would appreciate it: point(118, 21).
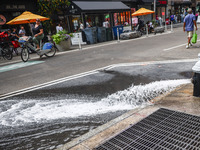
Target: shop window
point(122, 18)
point(75, 20)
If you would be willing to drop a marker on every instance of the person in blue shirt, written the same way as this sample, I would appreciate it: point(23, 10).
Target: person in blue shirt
point(188, 26)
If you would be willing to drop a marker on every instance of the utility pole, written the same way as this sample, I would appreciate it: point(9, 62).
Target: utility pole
point(154, 8)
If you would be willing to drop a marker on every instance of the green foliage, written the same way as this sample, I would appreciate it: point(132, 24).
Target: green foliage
point(48, 7)
point(61, 36)
point(154, 23)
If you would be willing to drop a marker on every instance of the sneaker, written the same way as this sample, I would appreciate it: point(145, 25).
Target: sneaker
point(38, 49)
point(190, 44)
point(187, 46)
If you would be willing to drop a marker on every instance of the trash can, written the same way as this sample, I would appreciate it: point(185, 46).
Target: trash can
point(109, 35)
point(120, 28)
point(101, 34)
point(196, 78)
point(91, 35)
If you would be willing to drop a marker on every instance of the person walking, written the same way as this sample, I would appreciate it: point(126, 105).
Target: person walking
point(188, 26)
point(81, 26)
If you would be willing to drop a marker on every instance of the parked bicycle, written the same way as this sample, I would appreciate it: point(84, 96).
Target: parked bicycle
point(5, 51)
point(48, 49)
point(14, 46)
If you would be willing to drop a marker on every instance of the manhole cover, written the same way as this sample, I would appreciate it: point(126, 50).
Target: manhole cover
point(163, 130)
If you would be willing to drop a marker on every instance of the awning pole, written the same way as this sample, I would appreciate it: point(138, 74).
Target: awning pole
point(30, 28)
point(83, 19)
point(131, 20)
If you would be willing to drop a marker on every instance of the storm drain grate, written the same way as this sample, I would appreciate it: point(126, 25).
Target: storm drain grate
point(163, 130)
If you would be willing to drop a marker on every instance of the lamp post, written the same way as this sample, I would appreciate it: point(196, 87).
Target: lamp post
point(154, 4)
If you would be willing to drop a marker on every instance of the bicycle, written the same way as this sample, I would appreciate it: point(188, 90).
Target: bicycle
point(48, 49)
point(5, 51)
point(14, 45)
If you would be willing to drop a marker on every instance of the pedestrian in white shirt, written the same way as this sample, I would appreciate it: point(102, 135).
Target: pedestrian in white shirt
point(59, 28)
point(81, 26)
point(22, 31)
point(106, 24)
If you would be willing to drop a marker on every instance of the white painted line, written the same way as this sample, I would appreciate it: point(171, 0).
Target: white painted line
point(19, 65)
point(149, 63)
point(167, 49)
point(89, 73)
point(47, 84)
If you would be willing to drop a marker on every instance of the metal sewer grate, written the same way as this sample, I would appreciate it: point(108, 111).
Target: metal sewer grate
point(163, 130)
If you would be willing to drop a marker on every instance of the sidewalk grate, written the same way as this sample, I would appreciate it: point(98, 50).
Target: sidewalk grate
point(163, 130)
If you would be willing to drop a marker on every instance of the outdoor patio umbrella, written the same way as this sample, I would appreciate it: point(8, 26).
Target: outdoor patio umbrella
point(142, 11)
point(26, 17)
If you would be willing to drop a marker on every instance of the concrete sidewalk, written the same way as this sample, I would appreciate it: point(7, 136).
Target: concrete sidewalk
point(180, 99)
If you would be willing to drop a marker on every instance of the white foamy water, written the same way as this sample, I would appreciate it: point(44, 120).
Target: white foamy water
point(20, 112)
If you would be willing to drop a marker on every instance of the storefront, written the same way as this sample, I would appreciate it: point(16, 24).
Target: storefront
point(95, 13)
point(11, 9)
point(179, 9)
point(162, 9)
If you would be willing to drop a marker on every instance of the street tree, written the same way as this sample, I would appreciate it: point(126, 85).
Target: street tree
point(48, 8)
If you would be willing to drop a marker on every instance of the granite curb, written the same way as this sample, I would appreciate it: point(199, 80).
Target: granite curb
point(180, 99)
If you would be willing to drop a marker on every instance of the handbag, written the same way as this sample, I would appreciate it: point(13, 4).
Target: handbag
point(194, 38)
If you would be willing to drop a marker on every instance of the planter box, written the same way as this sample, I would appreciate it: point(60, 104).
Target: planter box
point(64, 45)
point(159, 30)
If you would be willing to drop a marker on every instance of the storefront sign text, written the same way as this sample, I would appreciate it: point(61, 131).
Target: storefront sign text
point(15, 6)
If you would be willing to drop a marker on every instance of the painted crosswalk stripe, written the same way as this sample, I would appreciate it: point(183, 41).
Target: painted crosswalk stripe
point(19, 65)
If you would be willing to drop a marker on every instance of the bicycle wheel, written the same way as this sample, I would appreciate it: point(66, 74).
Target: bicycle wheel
point(7, 53)
point(52, 52)
point(24, 54)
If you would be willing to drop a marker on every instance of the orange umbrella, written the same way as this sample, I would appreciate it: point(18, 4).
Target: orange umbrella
point(142, 11)
point(26, 17)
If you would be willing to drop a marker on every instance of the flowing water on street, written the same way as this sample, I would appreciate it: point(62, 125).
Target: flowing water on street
point(49, 122)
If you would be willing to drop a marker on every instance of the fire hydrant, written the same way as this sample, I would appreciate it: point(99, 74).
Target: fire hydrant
point(196, 78)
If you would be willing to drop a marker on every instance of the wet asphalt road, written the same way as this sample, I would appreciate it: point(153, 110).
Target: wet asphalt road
point(54, 115)
point(75, 62)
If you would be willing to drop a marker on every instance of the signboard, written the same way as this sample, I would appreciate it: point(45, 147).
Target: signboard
point(73, 10)
point(2, 20)
point(198, 19)
point(76, 37)
point(163, 2)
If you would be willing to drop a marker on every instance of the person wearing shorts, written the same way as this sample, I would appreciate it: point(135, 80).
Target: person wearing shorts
point(38, 33)
point(188, 26)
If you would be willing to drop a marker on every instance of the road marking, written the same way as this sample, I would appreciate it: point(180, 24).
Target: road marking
point(36, 87)
point(47, 84)
point(19, 65)
point(167, 49)
point(149, 63)
point(94, 46)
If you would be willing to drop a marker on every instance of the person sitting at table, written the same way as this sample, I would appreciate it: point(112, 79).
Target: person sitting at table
point(14, 35)
point(22, 31)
